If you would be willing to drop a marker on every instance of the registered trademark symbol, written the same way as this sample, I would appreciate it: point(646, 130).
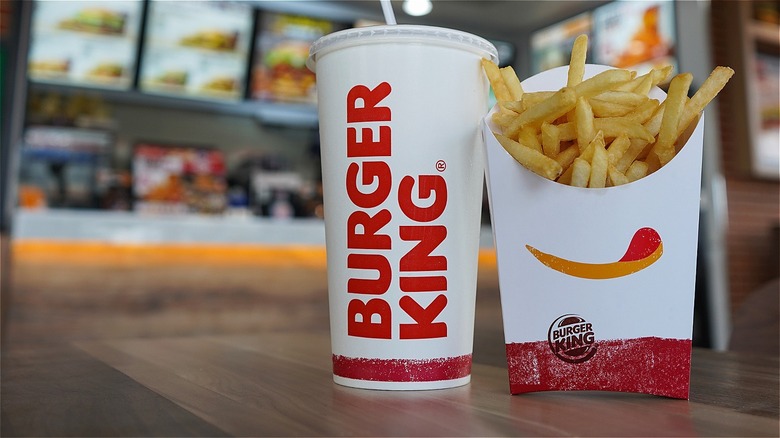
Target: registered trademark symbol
point(441, 165)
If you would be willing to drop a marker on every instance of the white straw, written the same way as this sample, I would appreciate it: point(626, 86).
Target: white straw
point(387, 9)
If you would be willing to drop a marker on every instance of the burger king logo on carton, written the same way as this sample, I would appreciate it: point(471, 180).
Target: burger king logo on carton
point(369, 183)
point(572, 339)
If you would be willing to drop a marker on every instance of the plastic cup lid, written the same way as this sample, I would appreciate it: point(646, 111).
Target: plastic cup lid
point(400, 33)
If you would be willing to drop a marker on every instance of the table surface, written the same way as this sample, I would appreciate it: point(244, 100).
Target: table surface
point(280, 384)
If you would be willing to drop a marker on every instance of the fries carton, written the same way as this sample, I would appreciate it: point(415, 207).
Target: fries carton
point(597, 285)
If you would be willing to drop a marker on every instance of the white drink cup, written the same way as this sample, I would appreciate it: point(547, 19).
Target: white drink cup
point(402, 164)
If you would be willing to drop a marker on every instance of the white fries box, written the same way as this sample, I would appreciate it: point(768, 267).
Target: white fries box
point(597, 285)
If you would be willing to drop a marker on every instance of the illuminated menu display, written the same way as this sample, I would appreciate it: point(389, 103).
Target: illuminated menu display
point(86, 43)
point(197, 49)
point(636, 35)
point(279, 73)
point(551, 46)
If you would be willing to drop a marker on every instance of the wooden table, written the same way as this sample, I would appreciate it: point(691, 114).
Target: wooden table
point(279, 384)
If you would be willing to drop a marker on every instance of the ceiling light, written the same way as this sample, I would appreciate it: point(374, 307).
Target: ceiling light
point(417, 8)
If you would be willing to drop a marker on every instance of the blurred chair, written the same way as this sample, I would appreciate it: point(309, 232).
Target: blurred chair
point(756, 324)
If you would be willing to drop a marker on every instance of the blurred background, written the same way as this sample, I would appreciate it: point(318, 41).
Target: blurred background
point(160, 160)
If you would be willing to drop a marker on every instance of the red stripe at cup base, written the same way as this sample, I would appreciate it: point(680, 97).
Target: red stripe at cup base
point(648, 365)
point(402, 370)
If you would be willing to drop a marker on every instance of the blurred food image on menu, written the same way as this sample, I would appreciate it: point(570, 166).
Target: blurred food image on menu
point(211, 39)
point(178, 179)
point(279, 72)
point(87, 43)
point(197, 49)
point(635, 35)
point(551, 46)
point(96, 20)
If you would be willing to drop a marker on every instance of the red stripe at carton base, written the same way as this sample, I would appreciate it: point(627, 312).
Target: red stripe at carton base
point(402, 370)
point(648, 365)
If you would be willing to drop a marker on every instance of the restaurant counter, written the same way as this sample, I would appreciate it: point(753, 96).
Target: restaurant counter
point(120, 227)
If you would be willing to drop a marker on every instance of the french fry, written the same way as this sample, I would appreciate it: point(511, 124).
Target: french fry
point(683, 138)
point(704, 95)
point(580, 173)
point(531, 99)
point(653, 163)
point(597, 142)
point(615, 177)
point(601, 82)
point(653, 125)
point(551, 142)
point(577, 62)
point(515, 106)
point(547, 110)
point(616, 126)
point(565, 177)
point(502, 119)
point(617, 148)
point(637, 170)
point(645, 151)
point(643, 112)
point(512, 82)
point(531, 159)
point(583, 115)
point(642, 84)
point(631, 154)
point(527, 137)
point(496, 80)
point(567, 131)
point(567, 156)
point(675, 103)
point(598, 168)
point(660, 75)
point(603, 108)
point(627, 98)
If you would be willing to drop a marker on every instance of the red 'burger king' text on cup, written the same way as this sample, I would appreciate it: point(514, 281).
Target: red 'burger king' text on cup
point(400, 110)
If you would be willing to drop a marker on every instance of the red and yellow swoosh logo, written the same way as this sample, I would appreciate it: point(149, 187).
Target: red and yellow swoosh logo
point(644, 250)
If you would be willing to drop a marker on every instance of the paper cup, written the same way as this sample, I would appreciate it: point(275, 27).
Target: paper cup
point(400, 109)
point(597, 285)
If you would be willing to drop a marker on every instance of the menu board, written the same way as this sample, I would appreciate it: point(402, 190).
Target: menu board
point(636, 35)
point(178, 179)
point(87, 43)
point(551, 46)
point(197, 49)
point(279, 72)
